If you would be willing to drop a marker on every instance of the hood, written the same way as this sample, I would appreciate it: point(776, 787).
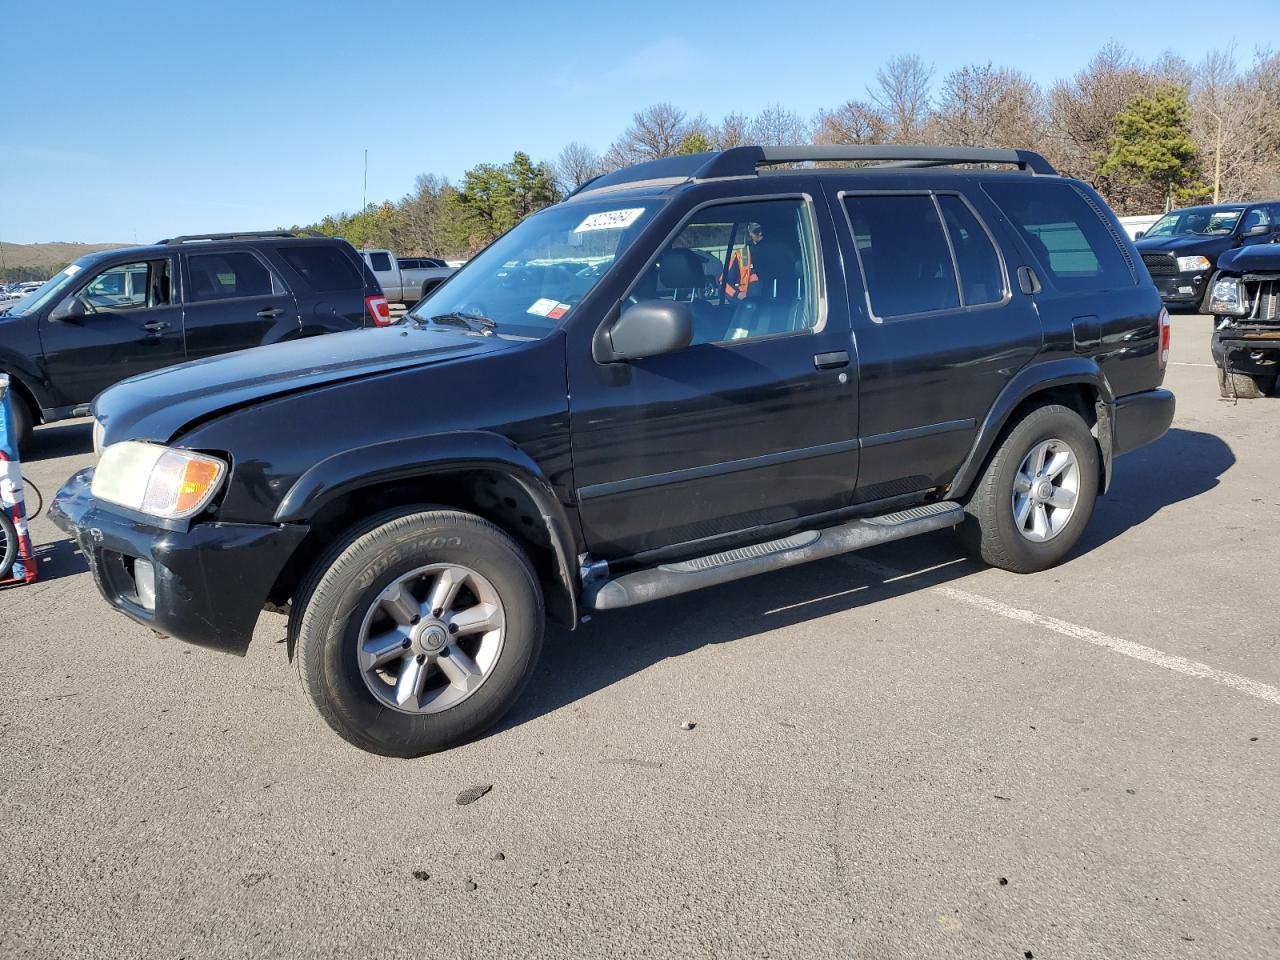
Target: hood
point(1257, 257)
point(158, 405)
point(1187, 244)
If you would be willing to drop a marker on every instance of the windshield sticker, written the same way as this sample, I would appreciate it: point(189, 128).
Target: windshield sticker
point(558, 311)
point(610, 220)
point(72, 269)
point(543, 307)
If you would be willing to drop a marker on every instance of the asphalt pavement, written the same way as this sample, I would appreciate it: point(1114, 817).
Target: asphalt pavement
point(894, 754)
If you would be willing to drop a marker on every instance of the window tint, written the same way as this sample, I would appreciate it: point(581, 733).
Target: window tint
point(981, 279)
point(326, 269)
point(128, 286)
point(1069, 240)
point(381, 262)
point(219, 276)
point(745, 269)
point(904, 255)
point(407, 263)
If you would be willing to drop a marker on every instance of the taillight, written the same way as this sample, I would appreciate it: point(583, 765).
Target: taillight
point(1165, 337)
point(378, 310)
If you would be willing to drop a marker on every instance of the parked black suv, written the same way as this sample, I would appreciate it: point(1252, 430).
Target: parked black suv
point(586, 418)
point(124, 312)
point(1182, 248)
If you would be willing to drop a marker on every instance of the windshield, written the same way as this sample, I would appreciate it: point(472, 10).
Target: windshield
point(1205, 221)
point(46, 291)
point(528, 280)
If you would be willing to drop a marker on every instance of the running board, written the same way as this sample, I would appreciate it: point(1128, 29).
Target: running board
point(670, 579)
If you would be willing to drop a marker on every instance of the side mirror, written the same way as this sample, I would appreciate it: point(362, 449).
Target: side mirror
point(68, 311)
point(1258, 229)
point(650, 328)
point(1140, 234)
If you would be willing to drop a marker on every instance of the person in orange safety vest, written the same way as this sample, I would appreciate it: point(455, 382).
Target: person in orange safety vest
point(741, 274)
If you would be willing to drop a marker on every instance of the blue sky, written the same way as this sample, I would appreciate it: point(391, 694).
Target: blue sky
point(131, 120)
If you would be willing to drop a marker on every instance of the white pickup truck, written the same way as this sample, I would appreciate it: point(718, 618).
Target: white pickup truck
point(406, 279)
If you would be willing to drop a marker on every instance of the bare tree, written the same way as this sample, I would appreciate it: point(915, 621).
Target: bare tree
point(733, 131)
point(775, 125)
point(423, 222)
point(855, 121)
point(901, 94)
point(1234, 119)
point(655, 132)
point(988, 106)
point(576, 164)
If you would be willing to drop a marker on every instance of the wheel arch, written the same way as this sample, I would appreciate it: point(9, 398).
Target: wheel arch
point(22, 389)
point(1075, 382)
point(476, 471)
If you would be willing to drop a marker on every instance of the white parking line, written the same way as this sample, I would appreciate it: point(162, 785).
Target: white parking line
point(1187, 363)
point(1192, 668)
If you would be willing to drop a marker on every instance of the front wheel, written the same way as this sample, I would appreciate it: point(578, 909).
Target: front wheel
point(1036, 495)
point(420, 633)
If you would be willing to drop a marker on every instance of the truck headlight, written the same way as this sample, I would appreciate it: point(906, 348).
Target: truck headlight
point(1229, 298)
point(99, 436)
point(1192, 264)
point(156, 480)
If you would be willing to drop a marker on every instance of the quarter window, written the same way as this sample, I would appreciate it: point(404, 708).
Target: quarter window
point(221, 276)
point(326, 269)
point(747, 270)
point(904, 254)
point(1066, 235)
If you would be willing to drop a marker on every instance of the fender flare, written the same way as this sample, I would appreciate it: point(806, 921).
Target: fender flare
point(422, 457)
point(1065, 371)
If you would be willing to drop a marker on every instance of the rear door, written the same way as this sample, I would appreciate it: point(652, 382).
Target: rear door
point(130, 325)
point(940, 330)
point(328, 283)
point(754, 423)
point(233, 299)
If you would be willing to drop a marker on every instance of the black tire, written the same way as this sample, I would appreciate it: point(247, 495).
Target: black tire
point(23, 421)
point(1243, 386)
point(331, 604)
point(8, 544)
point(989, 530)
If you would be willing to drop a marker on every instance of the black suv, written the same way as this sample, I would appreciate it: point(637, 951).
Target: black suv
point(586, 417)
point(1182, 248)
point(120, 313)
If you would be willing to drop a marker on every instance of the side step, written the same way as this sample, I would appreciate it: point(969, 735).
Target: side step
point(670, 579)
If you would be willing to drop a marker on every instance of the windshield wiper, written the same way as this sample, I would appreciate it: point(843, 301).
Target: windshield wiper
point(472, 321)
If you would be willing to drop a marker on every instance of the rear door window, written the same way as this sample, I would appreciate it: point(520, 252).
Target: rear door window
point(1067, 236)
point(981, 275)
point(904, 254)
point(230, 274)
point(325, 268)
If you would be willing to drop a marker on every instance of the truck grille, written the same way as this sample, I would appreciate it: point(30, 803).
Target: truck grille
point(1266, 300)
point(1160, 264)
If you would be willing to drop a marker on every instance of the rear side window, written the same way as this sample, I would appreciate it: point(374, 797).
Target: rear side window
point(381, 262)
point(221, 276)
point(904, 254)
point(981, 278)
point(1067, 236)
point(326, 269)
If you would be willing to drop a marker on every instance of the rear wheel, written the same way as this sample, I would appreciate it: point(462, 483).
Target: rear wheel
point(1036, 495)
point(418, 632)
point(1244, 386)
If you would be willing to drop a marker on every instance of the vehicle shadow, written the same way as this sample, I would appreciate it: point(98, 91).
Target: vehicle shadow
point(59, 559)
point(59, 440)
point(611, 647)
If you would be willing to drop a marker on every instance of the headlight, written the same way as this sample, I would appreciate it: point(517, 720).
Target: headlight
point(1192, 264)
point(160, 481)
point(1229, 298)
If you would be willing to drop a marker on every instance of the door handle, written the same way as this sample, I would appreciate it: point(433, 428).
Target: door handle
point(830, 361)
point(270, 313)
point(155, 326)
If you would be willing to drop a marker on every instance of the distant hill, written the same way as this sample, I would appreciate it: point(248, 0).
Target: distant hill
point(39, 261)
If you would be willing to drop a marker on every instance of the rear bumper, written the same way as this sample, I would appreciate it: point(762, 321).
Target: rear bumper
point(1140, 418)
point(211, 579)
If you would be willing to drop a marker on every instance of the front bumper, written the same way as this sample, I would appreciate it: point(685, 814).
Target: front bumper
point(1140, 418)
point(1182, 288)
point(211, 579)
point(1254, 350)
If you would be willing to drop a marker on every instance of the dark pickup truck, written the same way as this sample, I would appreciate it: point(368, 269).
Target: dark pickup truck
point(119, 313)
point(1245, 303)
point(586, 417)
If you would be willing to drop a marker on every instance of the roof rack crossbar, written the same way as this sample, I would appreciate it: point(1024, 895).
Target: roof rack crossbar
point(744, 161)
point(239, 235)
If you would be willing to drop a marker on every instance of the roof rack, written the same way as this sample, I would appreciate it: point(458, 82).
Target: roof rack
point(239, 235)
point(747, 161)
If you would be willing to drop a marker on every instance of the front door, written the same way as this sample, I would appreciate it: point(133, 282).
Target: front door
point(234, 300)
point(125, 323)
point(755, 422)
point(940, 331)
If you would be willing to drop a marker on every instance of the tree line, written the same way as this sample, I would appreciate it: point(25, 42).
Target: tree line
point(1147, 136)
